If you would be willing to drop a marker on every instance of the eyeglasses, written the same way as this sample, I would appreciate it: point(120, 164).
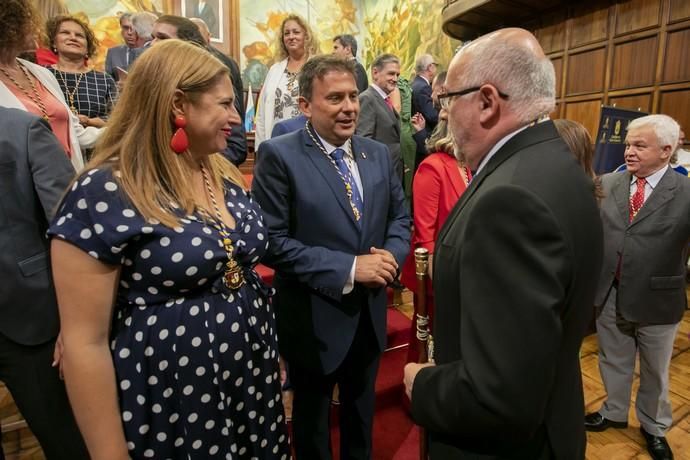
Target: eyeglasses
point(444, 99)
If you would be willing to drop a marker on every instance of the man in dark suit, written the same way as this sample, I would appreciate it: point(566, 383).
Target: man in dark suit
point(34, 173)
point(338, 232)
point(123, 56)
point(422, 102)
point(515, 268)
point(378, 119)
point(345, 46)
point(169, 26)
point(641, 296)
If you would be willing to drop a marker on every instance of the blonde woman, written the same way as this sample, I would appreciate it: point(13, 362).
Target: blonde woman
point(153, 253)
point(278, 98)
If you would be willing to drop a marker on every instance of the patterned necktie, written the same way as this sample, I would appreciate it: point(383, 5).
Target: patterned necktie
point(350, 184)
point(637, 200)
point(389, 103)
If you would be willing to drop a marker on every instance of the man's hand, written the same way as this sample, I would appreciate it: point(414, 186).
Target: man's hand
point(418, 122)
point(376, 269)
point(57, 355)
point(411, 371)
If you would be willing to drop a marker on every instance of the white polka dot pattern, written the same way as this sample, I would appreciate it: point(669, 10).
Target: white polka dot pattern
point(192, 368)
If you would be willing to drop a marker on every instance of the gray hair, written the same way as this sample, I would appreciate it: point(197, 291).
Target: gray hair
point(383, 59)
point(125, 16)
point(143, 24)
point(423, 61)
point(528, 80)
point(347, 40)
point(665, 128)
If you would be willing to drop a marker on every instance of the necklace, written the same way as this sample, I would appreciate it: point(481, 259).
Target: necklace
point(36, 97)
point(464, 175)
point(233, 277)
point(348, 187)
point(70, 96)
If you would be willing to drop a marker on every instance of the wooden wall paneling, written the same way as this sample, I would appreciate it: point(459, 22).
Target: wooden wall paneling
point(634, 63)
point(635, 15)
point(589, 24)
point(551, 34)
point(585, 73)
point(677, 56)
point(558, 68)
point(680, 10)
point(586, 112)
point(676, 104)
point(641, 102)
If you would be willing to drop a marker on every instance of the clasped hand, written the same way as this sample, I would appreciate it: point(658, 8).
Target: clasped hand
point(376, 269)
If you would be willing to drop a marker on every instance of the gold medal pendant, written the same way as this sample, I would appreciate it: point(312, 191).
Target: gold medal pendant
point(233, 278)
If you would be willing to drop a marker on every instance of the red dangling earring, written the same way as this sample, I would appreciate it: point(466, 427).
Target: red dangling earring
point(179, 141)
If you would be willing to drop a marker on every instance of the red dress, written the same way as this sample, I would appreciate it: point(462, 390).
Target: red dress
point(436, 188)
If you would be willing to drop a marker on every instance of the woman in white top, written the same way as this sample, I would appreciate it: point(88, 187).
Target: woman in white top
point(29, 87)
point(278, 99)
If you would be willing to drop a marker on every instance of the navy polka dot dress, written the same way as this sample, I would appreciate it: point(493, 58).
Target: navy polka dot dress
point(196, 363)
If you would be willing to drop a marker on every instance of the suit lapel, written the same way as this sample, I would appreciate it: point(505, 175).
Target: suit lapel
point(621, 195)
point(366, 175)
point(329, 173)
point(662, 193)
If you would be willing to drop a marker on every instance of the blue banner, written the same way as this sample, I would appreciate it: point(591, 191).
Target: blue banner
point(610, 145)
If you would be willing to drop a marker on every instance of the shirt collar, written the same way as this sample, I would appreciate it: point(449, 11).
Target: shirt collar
point(425, 79)
point(652, 179)
point(330, 147)
point(496, 147)
point(381, 92)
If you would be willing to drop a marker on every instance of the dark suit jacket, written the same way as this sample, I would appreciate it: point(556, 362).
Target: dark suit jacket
point(117, 57)
point(236, 150)
point(289, 125)
point(314, 239)
point(209, 17)
point(379, 122)
point(361, 77)
point(422, 102)
point(34, 173)
point(653, 248)
point(515, 270)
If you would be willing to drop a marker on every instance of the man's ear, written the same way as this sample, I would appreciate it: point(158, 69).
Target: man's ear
point(666, 152)
point(489, 103)
point(304, 106)
point(179, 103)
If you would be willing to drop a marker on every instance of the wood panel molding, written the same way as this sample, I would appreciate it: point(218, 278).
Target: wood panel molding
point(631, 53)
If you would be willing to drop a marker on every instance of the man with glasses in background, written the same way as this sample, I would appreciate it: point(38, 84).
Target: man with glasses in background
point(515, 268)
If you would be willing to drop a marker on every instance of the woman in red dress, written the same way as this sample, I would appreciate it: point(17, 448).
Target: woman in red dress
point(438, 183)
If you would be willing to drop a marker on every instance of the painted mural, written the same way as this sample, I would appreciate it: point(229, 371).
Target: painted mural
point(405, 28)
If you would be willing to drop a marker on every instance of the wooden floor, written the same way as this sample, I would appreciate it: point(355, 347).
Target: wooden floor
point(615, 444)
point(609, 445)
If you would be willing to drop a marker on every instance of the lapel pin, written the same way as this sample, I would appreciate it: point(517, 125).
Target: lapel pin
point(364, 155)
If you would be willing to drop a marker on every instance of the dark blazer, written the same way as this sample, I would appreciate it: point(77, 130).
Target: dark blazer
point(423, 103)
point(653, 248)
point(314, 239)
point(34, 173)
point(236, 150)
point(379, 122)
point(289, 125)
point(515, 270)
point(117, 57)
point(361, 77)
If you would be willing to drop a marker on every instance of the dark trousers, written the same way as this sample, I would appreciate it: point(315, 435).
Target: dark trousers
point(355, 377)
point(41, 398)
